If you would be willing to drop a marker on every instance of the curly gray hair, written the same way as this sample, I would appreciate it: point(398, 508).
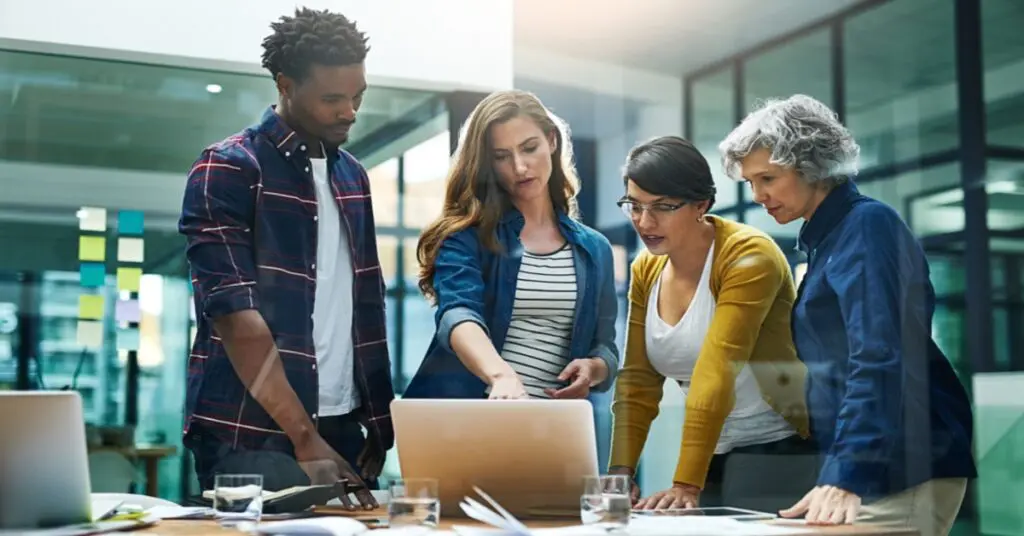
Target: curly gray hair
point(801, 133)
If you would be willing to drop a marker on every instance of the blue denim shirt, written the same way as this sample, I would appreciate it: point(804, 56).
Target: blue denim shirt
point(475, 285)
point(886, 407)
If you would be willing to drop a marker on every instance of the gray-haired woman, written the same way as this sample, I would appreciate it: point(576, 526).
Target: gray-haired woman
point(892, 419)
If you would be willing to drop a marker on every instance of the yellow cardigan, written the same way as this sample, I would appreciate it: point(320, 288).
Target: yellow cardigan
point(754, 294)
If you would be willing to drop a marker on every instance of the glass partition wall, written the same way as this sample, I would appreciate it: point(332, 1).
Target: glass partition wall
point(907, 77)
point(88, 144)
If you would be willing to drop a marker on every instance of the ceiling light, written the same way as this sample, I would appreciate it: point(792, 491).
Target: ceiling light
point(214, 88)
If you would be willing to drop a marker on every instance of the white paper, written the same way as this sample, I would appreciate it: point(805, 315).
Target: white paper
point(180, 512)
point(102, 508)
point(314, 526)
point(504, 523)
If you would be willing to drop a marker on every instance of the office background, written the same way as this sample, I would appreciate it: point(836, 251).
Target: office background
point(930, 88)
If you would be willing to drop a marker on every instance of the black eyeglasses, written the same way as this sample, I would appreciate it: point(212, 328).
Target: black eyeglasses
point(635, 211)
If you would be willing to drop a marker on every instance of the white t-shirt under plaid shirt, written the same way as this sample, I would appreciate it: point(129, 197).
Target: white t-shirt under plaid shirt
point(537, 343)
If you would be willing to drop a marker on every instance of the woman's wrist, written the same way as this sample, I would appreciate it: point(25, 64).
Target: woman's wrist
point(686, 487)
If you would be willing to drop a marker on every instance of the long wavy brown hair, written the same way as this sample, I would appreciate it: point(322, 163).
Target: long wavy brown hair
point(473, 195)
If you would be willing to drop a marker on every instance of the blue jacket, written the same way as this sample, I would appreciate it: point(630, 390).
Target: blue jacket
point(886, 407)
point(475, 285)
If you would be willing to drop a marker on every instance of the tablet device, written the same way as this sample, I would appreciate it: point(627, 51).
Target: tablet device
point(741, 514)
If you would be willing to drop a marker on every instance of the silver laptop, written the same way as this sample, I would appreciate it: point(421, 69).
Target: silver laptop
point(529, 455)
point(44, 468)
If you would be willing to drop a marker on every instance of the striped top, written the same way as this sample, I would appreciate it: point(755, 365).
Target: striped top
point(537, 344)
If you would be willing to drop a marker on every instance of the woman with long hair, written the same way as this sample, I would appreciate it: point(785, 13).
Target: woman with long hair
point(710, 301)
point(524, 292)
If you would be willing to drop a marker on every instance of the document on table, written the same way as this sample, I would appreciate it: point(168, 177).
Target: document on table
point(505, 524)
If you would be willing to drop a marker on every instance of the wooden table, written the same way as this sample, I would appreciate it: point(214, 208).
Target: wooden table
point(195, 528)
point(150, 455)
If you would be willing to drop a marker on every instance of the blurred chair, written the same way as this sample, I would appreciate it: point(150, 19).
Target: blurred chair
point(111, 472)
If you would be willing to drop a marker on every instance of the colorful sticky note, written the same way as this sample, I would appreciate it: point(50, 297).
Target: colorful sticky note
point(92, 248)
point(129, 249)
point(92, 219)
point(127, 311)
point(92, 274)
point(129, 222)
point(128, 278)
point(128, 339)
point(90, 306)
point(90, 333)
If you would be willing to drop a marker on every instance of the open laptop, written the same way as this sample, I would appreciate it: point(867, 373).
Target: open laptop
point(44, 468)
point(529, 455)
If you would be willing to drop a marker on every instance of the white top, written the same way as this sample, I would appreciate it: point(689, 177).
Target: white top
point(537, 343)
point(673, 352)
point(332, 302)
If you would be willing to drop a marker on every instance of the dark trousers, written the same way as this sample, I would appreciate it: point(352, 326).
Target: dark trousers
point(767, 477)
point(279, 468)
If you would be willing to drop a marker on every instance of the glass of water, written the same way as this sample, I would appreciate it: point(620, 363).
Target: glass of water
point(605, 502)
point(414, 502)
point(238, 499)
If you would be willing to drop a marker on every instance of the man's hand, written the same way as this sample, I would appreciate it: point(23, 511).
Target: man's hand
point(826, 505)
point(373, 456)
point(507, 386)
point(325, 466)
point(634, 489)
point(678, 496)
point(584, 374)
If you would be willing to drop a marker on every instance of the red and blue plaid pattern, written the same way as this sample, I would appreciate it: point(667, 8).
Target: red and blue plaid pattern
point(250, 217)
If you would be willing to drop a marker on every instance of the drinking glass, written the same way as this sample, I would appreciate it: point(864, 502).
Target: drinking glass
point(238, 498)
point(605, 502)
point(414, 502)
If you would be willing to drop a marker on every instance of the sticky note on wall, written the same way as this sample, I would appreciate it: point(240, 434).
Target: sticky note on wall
point(90, 333)
point(92, 274)
point(129, 222)
point(92, 219)
point(128, 339)
point(127, 311)
point(129, 278)
point(90, 306)
point(129, 249)
point(92, 248)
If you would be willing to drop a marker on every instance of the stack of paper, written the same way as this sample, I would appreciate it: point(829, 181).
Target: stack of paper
point(505, 524)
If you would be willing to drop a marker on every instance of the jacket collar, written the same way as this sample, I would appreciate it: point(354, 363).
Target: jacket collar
point(828, 214)
point(281, 135)
point(570, 228)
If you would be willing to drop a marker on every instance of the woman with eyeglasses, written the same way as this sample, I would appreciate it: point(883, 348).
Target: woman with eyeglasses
point(710, 302)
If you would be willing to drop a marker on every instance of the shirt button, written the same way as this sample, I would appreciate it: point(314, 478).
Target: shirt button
point(312, 266)
point(314, 366)
point(316, 218)
point(314, 415)
point(302, 147)
point(307, 169)
point(287, 154)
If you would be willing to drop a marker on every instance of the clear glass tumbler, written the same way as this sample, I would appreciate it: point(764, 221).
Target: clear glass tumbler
point(238, 498)
point(605, 502)
point(414, 502)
